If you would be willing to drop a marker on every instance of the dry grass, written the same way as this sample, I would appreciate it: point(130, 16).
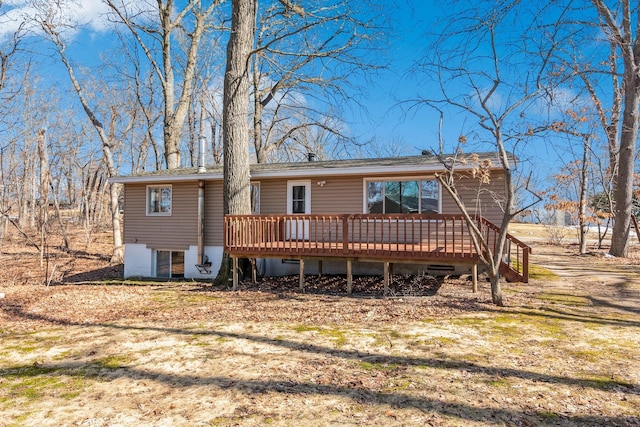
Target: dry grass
point(564, 352)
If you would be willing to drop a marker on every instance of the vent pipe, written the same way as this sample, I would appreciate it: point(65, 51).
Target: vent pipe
point(311, 157)
point(201, 154)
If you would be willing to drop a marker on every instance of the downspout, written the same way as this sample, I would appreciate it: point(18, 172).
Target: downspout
point(201, 257)
point(203, 266)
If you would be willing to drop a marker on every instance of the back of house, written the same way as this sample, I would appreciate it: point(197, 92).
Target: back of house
point(166, 234)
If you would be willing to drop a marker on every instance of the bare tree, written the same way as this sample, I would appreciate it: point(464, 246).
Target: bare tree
point(47, 19)
point(142, 105)
point(235, 126)
point(43, 196)
point(622, 27)
point(30, 110)
point(9, 51)
point(477, 63)
point(213, 113)
point(190, 21)
point(309, 49)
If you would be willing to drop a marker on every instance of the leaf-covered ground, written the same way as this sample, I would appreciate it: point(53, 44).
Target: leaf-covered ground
point(89, 351)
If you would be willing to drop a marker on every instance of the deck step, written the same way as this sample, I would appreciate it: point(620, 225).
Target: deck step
point(510, 274)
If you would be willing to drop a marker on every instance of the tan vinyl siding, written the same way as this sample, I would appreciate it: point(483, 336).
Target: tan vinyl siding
point(273, 196)
point(175, 232)
point(213, 214)
point(339, 195)
point(478, 198)
point(344, 194)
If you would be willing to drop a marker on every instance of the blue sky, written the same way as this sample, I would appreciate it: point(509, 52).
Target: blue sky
point(387, 122)
point(384, 121)
point(391, 118)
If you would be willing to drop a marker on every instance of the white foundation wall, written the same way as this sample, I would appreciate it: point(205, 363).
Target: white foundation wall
point(139, 260)
point(214, 253)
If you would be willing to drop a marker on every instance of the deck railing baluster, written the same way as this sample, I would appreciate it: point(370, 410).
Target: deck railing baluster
point(376, 236)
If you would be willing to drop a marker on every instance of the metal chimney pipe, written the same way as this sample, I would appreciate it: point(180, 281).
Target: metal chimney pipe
point(311, 157)
point(201, 154)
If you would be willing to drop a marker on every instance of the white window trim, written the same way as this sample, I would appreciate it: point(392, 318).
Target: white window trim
point(307, 192)
point(366, 181)
point(148, 192)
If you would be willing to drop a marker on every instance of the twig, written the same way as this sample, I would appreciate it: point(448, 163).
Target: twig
point(4, 214)
point(50, 278)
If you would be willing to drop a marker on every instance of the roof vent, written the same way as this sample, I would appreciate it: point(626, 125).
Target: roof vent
point(311, 157)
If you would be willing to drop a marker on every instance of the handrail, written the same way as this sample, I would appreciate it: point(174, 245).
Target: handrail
point(411, 237)
point(515, 261)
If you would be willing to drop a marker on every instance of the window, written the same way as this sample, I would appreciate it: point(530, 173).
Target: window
point(395, 196)
point(169, 264)
point(298, 199)
point(255, 198)
point(159, 200)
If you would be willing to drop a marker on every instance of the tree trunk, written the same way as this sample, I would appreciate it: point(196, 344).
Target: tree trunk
point(117, 257)
point(623, 35)
point(257, 115)
point(582, 219)
point(236, 109)
point(496, 291)
point(43, 201)
point(623, 192)
point(235, 118)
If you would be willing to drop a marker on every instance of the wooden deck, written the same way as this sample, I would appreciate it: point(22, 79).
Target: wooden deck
point(394, 238)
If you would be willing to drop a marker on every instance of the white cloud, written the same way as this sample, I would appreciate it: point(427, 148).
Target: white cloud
point(90, 14)
point(13, 14)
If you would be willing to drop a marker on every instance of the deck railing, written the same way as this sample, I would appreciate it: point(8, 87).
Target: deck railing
point(393, 237)
point(515, 255)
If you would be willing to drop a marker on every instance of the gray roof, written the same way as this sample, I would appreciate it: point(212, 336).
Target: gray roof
point(426, 163)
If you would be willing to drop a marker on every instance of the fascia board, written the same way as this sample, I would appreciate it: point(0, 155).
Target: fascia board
point(293, 173)
point(164, 178)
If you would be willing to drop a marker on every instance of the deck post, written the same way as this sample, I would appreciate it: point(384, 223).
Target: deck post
point(320, 268)
point(254, 270)
point(349, 277)
point(525, 265)
point(234, 267)
point(386, 277)
point(474, 277)
point(301, 274)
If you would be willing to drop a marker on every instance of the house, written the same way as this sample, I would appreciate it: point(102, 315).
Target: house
point(174, 225)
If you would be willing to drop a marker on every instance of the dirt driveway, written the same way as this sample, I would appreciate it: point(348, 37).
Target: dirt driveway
point(565, 351)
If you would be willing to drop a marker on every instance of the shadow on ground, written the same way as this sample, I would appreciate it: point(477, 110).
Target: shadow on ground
point(115, 272)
